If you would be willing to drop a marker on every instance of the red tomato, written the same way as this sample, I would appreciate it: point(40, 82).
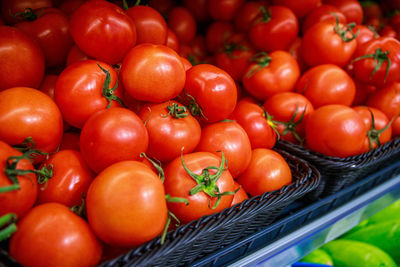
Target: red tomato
point(48, 85)
point(267, 171)
point(362, 92)
point(112, 135)
point(323, 12)
point(170, 127)
point(211, 93)
point(335, 130)
point(198, 8)
point(365, 34)
point(22, 59)
point(75, 55)
point(70, 141)
point(300, 8)
point(182, 22)
point(162, 6)
point(103, 31)
point(290, 112)
point(126, 204)
point(255, 122)
point(376, 134)
point(22, 198)
point(239, 196)
point(186, 63)
point(327, 84)
point(271, 74)
point(58, 240)
point(150, 25)
point(248, 12)
point(275, 28)
point(9, 8)
point(172, 40)
point(70, 181)
point(69, 7)
point(387, 99)
point(50, 28)
point(371, 61)
point(153, 73)
point(327, 43)
point(224, 10)
point(179, 183)
point(27, 112)
point(350, 8)
point(216, 33)
point(230, 138)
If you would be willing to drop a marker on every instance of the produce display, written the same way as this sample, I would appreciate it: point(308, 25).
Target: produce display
point(121, 120)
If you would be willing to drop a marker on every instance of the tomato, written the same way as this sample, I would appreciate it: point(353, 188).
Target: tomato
point(211, 93)
point(371, 61)
point(22, 59)
point(183, 23)
point(170, 127)
point(294, 50)
point(50, 28)
point(186, 63)
point(112, 135)
point(58, 240)
point(84, 88)
point(9, 8)
point(153, 73)
point(327, 43)
point(248, 12)
point(103, 31)
point(289, 111)
point(69, 7)
point(48, 85)
point(376, 134)
point(179, 183)
point(362, 92)
point(322, 13)
point(75, 55)
point(270, 74)
point(300, 8)
point(388, 31)
point(27, 112)
point(150, 25)
point(126, 204)
point(70, 180)
point(267, 171)
point(275, 28)
point(239, 196)
point(255, 122)
point(335, 130)
point(231, 139)
point(327, 84)
point(224, 10)
point(350, 8)
point(372, 12)
point(216, 33)
point(70, 140)
point(387, 99)
point(198, 8)
point(365, 34)
point(20, 199)
point(172, 40)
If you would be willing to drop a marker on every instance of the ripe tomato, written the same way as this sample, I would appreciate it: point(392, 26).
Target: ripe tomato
point(267, 171)
point(27, 112)
point(112, 135)
point(327, 84)
point(270, 74)
point(198, 8)
point(170, 127)
point(365, 34)
point(50, 28)
point(323, 12)
point(230, 138)
point(248, 12)
point(256, 122)
point(172, 40)
point(300, 8)
point(103, 31)
point(20, 199)
point(224, 10)
point(22, 59)
point(9, 8)
point(376, 134)
point(350, 8)
point(289, 111)
point(362, 92)
point(216, 33)
point(239, 196)
point(70, 180)
point(149, 23)
point(84, 88)
point(75, 55)
point(48, 85)
point(153, 73)
point(179, 183)
point(58, 240)
point(211, 93)
point(183, 23)
point(126, 204)
point(335, 130)
point(70, 140)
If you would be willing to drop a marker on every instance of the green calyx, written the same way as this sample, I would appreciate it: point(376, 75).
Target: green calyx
point(262, 60)
point(7, 225)
point(171, 216)
point(290, 126)
point(342, 32)
point(28, 14)
point(379, 57)
point(265, 15)
point(176, 111)
point(156, 164)
point(193, 106)
point(206, 182)
point(108, 92)
point(373, 134)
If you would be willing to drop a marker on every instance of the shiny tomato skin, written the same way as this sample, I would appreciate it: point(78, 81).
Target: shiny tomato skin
point(322, 13)
point(112, 135)
point(230, 138)
point(21, 200)
point(352, 9)
point(364, 34)
point(126, 204)
point(153, 73)
point(103, 31)
point(248, 12)
point(79, 91)
point(22, 59)
point(240, 195)
point(267, 171)
point(70, 181)
point(52, 235)
point(183, 23)
point(327, 84)
point(335, 130)
point(27, 112)
point(167, 135)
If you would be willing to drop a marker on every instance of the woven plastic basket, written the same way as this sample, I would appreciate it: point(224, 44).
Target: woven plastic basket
point(337, 173)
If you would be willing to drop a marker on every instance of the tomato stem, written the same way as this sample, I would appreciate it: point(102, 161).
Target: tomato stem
point(108, 92)
point(157, 166)
point(168, 198)
point(176, 111)
point(342, 32)
point(291, 125)
point(262, 60)
point(194, 107)
point(28, 14)
point(265, 15)
point(7, 220)
point(379, 57)
point(44, 174)
point(374, 134)
point(80, 210)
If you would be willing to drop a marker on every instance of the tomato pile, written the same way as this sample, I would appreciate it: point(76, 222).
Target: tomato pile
point(141, 117)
